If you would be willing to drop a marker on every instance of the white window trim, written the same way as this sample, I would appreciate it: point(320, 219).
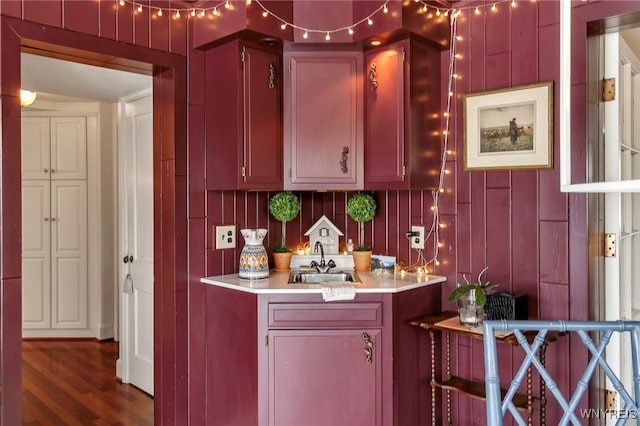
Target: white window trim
point(565, 119)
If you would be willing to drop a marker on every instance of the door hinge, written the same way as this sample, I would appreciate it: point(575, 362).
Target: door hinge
point(242, 55)
point(404, 171)
point(244, 171)
point(610, 245)
point(608, 89)
point(289, 66)
point(289, 171)
point(404, 55)
point(266, 340)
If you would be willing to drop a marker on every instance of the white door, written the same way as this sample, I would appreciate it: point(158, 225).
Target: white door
point(68, 148)
point(622, 210)
point(36, 143)
point(69, 254)
point(36, 258)
point(137, 229)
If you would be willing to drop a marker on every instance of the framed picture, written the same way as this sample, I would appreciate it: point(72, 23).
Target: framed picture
point(509, 128)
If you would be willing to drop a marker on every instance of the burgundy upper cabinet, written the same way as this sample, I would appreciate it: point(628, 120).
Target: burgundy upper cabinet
point(323, 120)
point(243, 89)
point(402, 117)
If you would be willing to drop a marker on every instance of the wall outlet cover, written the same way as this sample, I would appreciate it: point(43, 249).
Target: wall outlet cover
point(417, 240)
point(225, 236)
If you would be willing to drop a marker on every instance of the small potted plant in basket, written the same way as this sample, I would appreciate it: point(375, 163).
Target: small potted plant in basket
point(361, 208)
point(284, 206)
point(471, 298)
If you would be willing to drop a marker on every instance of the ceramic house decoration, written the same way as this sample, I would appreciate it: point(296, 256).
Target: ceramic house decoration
point(327, 233)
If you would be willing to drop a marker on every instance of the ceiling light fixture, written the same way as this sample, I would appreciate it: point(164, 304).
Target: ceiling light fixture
point(27, 97)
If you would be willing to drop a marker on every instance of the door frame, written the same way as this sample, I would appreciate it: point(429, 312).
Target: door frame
point(170, 227)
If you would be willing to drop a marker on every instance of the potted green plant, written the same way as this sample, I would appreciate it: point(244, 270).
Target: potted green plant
point(361, 208)
point(284, 206)
point(471, 298)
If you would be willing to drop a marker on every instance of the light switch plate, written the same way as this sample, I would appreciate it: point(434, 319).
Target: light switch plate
point(417, 241)
point(225, 236)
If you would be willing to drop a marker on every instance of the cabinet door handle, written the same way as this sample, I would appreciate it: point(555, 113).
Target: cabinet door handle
point(46, 170)
point(272, 76)
point(368, 349)
point(46, 219)
point(53, 171)
point(373, 76)
point(344, 160)
point(53, 219)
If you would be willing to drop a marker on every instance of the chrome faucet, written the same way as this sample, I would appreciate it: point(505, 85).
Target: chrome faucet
point(323, 266)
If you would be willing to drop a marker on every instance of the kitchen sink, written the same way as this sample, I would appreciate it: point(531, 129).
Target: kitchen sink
point(313, 277)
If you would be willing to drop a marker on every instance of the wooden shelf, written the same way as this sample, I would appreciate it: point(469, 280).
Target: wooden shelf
point(477, 390)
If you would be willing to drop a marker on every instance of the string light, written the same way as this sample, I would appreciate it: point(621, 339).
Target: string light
point(190, 12)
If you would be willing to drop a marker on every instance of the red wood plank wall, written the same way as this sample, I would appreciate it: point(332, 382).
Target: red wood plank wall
point(96, 25)
point(532, 237)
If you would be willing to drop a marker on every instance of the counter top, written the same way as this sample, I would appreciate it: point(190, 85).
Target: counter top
point(278, 283)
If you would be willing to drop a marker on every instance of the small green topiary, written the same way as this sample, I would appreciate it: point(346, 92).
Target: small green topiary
point(284, 206)
point(361, 208)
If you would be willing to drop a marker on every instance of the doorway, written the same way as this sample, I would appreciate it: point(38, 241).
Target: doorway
point(169, 84)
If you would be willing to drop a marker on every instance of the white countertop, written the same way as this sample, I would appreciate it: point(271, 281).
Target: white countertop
point(278, 283)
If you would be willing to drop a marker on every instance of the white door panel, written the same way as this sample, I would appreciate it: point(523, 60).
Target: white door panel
point(137, 195)
point(68, 148)
point(36, 295)
point(35, 148)
point(69, 254)
point(36, 260)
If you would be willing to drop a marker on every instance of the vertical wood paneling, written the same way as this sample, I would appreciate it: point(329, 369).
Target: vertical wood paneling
point(168, 226)
point(81, 16)
point(497, 30)
point(197, 348)
point(498, 239)
point(141, 25)
point(195, 80)
point(181, 232)
point(498, 71)
point(11, 360)
point(403, 222)
point(108, 14)
point(524, 237)
point(124, 23)
point(554, 252)
point(11, 241)
point(196, 164)
point(524, 47)
point(474, 48)
point(47, 12)
point(178, 34)
point(160, 30)
point(11, 8)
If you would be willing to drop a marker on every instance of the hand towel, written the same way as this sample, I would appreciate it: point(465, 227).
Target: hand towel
point(338, 290)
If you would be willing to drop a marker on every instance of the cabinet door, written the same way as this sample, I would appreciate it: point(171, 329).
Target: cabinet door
point(68, 148)
point(262, 156)
point(322, 377)
point(323, 132)
point(69, 254)
point(35, 148)
point(385, 116)
point(36, 260)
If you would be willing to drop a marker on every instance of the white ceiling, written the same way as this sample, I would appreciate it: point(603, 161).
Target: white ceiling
point(54, 78)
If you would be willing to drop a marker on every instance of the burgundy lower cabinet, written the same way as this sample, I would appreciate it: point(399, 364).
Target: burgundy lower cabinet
point(291, 359)
point(325, 377)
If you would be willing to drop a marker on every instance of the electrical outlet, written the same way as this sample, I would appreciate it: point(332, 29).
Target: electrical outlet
point(225, 236)
point(417, 241)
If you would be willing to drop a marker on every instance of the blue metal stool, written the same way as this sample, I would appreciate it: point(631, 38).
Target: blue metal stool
point(497, 407)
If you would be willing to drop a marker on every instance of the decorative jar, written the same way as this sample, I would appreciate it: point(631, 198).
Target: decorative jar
point(254, 261)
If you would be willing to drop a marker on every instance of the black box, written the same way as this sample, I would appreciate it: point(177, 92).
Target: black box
point(506, 306)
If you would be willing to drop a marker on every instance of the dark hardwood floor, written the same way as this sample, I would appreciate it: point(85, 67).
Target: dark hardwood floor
point(73, 383)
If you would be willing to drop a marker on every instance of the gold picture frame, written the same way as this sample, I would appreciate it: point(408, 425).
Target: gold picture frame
point(509, 128)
